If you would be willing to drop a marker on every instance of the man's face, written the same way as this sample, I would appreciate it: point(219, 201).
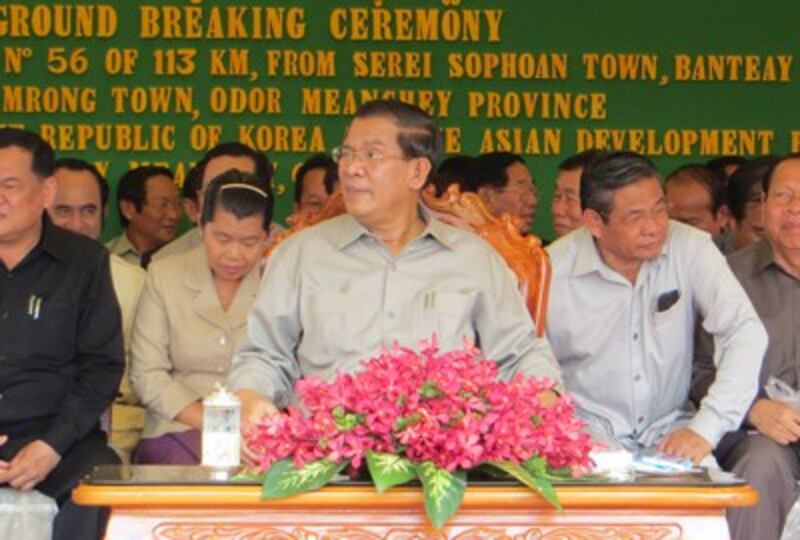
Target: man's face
point(313, 196)
point(378, 184)
point(77, 205)
point(219, 165)
point(23, 196)
point(519, 197)
point(751, 227)
point(567, 215)
point(782, 209)
point(158, 220)
point(636, 228)
point(690, 203)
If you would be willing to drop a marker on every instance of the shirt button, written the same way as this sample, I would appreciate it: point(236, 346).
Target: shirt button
point(222, 340)
point(635, 336)
point(220, 369)
point(637, 378)
point(641, 419)
point(390, 314)
point(4, 315)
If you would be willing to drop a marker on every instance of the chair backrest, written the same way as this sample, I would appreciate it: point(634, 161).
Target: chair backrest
point(524, 254)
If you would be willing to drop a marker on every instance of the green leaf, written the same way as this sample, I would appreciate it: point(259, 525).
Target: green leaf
point(537, 483)
point(443, 491)
point(285, 480)
point(389, 470)
point(536, 465)
point(346, 421)
point(430, 389)
point(402, 423)
point(248, 475)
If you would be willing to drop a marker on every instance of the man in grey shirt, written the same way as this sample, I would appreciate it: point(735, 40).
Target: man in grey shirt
point(765, 450)
point(626, 291)
point(385, 272)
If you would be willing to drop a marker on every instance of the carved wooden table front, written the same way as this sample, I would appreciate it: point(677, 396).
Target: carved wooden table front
point(223, 511)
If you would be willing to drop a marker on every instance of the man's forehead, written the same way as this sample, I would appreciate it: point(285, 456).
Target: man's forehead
point(14, 156)
point(787, 172)
point(75, 183)
point(372, 130)
point(220, 164)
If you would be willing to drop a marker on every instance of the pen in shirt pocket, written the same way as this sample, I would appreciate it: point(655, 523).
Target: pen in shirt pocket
point(34, 306)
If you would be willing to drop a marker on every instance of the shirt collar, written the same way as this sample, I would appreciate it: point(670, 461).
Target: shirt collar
point(123, 245)
point(351, 230)
point(763, 256)
point(52, 241)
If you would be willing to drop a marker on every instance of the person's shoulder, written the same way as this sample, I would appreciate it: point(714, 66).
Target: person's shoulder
point(73, 247)
point(564, 250)
point(177, 263)
point(682, 234)
point(745, 261)
point(180, 245)
point(122, 269)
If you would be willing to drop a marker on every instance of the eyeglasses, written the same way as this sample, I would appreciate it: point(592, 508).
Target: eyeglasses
point(635, 219)
point(348, 155)
point(784, 197)
point(529, 190)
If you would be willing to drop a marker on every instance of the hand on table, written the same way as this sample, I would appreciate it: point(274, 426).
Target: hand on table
point(687, 444)
point(254, 408)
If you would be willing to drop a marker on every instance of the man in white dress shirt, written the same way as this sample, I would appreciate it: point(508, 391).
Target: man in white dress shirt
point(627, 289)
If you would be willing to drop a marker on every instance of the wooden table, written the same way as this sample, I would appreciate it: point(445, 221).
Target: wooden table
point(198, 510)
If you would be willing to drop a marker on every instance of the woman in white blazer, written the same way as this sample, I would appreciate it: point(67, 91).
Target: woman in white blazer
point(192, 315)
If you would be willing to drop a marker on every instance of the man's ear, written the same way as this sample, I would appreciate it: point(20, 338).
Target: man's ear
point(49, 188)
point(420, 170)
point(724, 217)
point(594, 222)
point(127, 209)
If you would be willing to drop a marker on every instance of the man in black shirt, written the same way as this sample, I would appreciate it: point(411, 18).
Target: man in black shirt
point(61, 355)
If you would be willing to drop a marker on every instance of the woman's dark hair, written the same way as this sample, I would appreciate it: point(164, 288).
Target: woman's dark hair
point(242, 194)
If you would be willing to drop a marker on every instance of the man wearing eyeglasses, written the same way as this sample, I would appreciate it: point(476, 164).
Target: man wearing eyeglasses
point(505, 184)
point(766, 450)
point(148, 205)
point(625, 294)
point(385, 272)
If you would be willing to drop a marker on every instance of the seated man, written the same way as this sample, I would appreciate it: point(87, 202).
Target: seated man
point(385, 272)
point(310, 189)
point(696, 196)
point(625, 293)
point(505, 184)
point(221, 158)
point(80, 205)
point(566, 207)
point(149, 210)
point(765, 450)
point(61, 355)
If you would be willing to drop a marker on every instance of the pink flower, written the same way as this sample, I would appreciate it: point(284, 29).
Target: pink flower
point(449, 408)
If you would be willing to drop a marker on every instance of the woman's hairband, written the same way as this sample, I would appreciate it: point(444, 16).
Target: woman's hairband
point(240, 185)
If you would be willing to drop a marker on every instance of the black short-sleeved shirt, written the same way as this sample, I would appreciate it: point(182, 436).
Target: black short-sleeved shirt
point(61, 353)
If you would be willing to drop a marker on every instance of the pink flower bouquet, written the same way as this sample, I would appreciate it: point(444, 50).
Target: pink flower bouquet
point(426, 415)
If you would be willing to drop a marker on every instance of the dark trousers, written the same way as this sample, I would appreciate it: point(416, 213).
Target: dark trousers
point(773, 470)
point(73, 521)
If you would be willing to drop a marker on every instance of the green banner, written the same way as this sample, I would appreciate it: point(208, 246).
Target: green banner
point(124, 83)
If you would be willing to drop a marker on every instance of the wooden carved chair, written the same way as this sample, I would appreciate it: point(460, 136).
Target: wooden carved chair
point(524, 254)
point(298, 221)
